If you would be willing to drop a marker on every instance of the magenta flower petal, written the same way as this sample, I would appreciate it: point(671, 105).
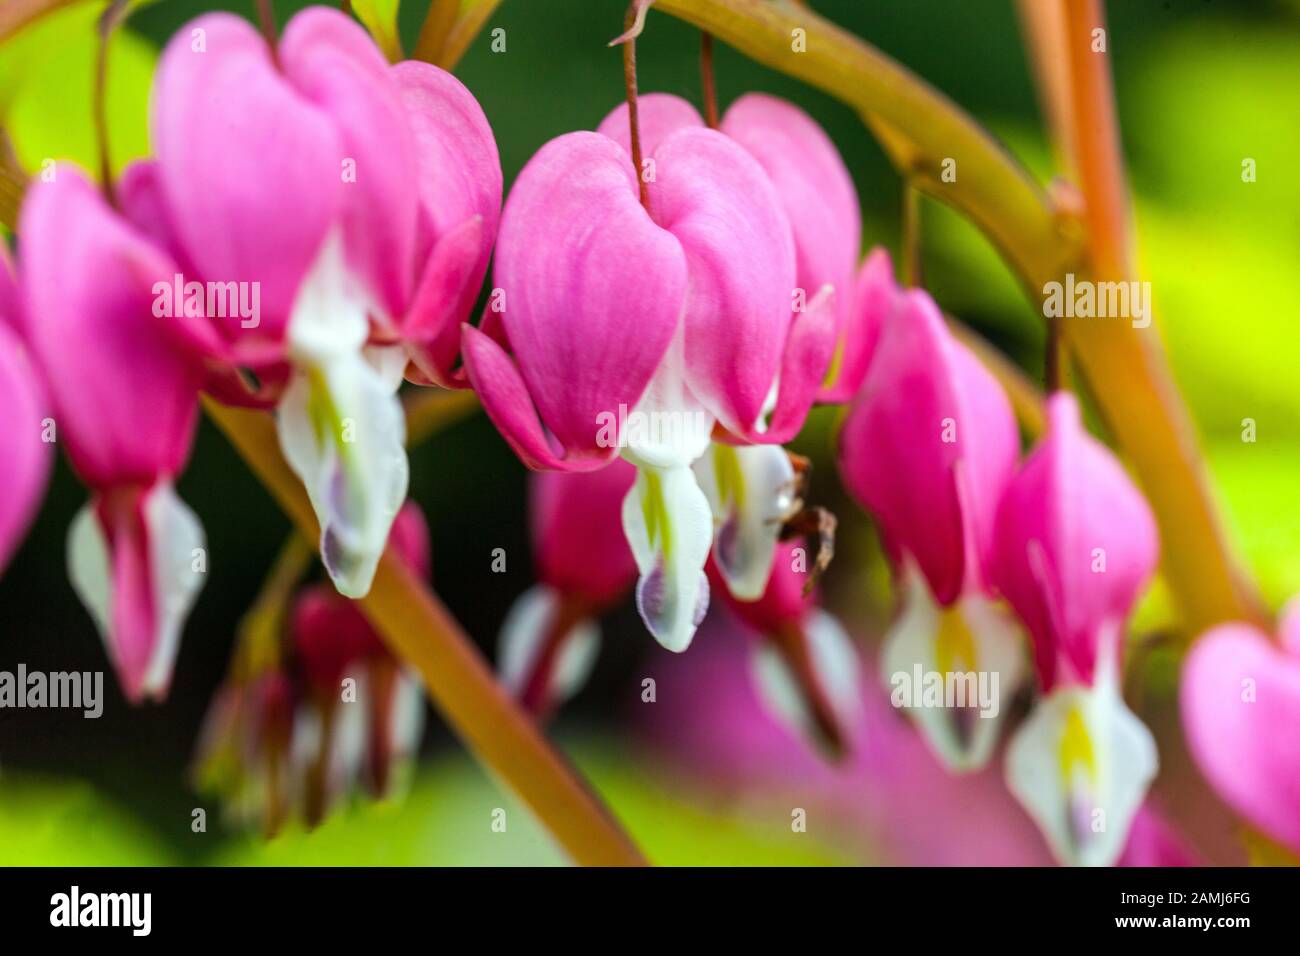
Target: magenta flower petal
point(809, 350)
point(507, 401)
point(331, 61)
point(126, 407)
point(1240, 701)
point(125, 410)
point(658, 115)
point(451, 278)
point(258, 213)
point(719, 204)
point(24, 456)
point(10, 299)
point(875, 295)
point(783, 602)
point(815, 189)
point(578, 540)
point(928, 446)
point(593, 289)
point(459, 178)
point(1075, 544)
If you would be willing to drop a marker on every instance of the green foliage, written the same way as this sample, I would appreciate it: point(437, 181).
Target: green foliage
point(46, 89)
point(51, 822)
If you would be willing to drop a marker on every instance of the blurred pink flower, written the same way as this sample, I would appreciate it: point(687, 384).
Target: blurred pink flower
point(549, 640)
point(927, 447)
point(889, 802)
point(125, 398)
point(24, 454)
point(377, 730)
point(803, 664)
point(1075, 544)
point(1241, 710)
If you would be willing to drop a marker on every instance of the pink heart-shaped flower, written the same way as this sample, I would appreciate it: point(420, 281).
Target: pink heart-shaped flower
point(1241, 712)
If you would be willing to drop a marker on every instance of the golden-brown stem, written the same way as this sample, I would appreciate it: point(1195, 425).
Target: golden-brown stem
point(13, 182)
point(16, 14)
point(629, 82)
point(1117, 358)
point(108, 21)
point(708, 90)
point(952, 159)
point(420, 631)
point(436, 29)
point(464, 31)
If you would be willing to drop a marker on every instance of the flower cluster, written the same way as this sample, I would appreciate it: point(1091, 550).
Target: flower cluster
point(315, 225)
point(667, 302)
point(314, 704)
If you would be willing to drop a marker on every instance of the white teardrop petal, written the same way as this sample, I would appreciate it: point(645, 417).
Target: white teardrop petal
point(89, 570)
point(341, 424)
point(953, 670)
point(750, 491)
point(179, 569)
point(835, 667)
point(1081, 765)
point(669, 527)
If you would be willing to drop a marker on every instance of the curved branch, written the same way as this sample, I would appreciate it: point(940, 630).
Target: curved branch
point(920, 128)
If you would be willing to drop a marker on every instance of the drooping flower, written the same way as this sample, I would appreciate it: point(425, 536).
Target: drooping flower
point(928, 446)
point(550, 638)
point(1241, 707)
point(24, 453)
point(1074, 546)
point(125, 400)
point(374, 723)
point(804, 666)
point(244, 750)
point(888, 801)
point(355, 203)
point(749, 487)
point(313, 702)
point(637, 330)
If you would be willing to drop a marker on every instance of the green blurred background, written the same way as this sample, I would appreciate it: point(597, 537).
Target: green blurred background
point(1201, 84)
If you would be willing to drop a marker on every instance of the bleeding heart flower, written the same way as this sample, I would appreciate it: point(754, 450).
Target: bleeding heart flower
point(375, 723)
point(928, 447)
point(819, 199)
point(805, 668)
point(125, 400)
point(358, 202)
point(24, 454)
point(638, 329)
point(550, 639)
point(1241, 707)
point(1075, 545)
point(244, 751)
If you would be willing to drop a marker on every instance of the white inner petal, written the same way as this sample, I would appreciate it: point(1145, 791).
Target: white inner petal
point(341, 423)
point(750, 491)
point(523, 635)
point(177, 567)
point(954, 670)
point(835, 667)
point(176, 548)
point(669, 527)
point(1081, 765)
